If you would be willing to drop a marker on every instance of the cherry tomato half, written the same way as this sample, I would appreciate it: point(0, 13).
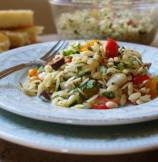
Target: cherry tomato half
point(100, 106)
point(100, 103)
point(140, 79)
point(111, 48)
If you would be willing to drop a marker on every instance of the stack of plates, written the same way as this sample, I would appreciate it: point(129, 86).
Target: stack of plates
point(29, 121)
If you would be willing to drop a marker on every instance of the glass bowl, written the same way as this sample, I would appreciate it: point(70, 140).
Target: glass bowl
point(130, 20)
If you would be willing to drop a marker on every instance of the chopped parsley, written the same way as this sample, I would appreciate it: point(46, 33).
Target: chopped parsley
point(103, 70)
point(89, 84)
point(120, 66)
point(109, 94)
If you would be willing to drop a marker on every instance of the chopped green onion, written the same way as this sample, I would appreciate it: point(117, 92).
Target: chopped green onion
point(68, 52)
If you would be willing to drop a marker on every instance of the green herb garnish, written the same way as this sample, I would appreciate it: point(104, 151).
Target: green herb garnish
point(41, 68)
point(81, 73)
point(109, 94)
point(76, 48)
point(90, 84)
point(73, 50)
point(103, 70)
point(121, 66)
point(90, 88)
point(68, 52)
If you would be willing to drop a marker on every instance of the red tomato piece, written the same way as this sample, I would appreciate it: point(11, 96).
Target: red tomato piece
point(100, 103)
point(111, 48)
point(100, 106)
point(140, 79)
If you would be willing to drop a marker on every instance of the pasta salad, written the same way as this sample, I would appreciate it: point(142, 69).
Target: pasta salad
point(106, 22)
point(95, 75)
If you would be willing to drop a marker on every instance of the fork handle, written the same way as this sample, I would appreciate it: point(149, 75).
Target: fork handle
point(10, 70)
point(15, 68)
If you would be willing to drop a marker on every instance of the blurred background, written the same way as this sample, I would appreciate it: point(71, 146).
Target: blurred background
point(125, 20)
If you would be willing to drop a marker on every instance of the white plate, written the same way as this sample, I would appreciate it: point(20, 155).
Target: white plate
point(13, 100)
point(107, 140)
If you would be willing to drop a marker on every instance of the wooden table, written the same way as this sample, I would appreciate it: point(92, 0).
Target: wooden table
point(13, 153)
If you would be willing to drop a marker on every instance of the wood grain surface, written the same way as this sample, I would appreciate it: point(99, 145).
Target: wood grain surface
point(14, 153)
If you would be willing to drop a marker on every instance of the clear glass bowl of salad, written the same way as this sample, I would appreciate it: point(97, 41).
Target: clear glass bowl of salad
point(124, 20)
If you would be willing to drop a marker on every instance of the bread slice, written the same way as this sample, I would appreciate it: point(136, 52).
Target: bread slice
point(24, 36)
point(10, 19)
point(4, 42)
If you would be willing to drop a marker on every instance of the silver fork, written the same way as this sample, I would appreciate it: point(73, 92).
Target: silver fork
point(41, 61)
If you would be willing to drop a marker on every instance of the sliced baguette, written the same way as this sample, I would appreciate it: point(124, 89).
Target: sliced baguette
point(21, 37)
point(4, 42)
point(10, 19)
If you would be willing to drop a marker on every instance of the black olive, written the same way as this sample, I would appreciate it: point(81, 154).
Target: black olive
point(45, 96)
point(57, 62)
